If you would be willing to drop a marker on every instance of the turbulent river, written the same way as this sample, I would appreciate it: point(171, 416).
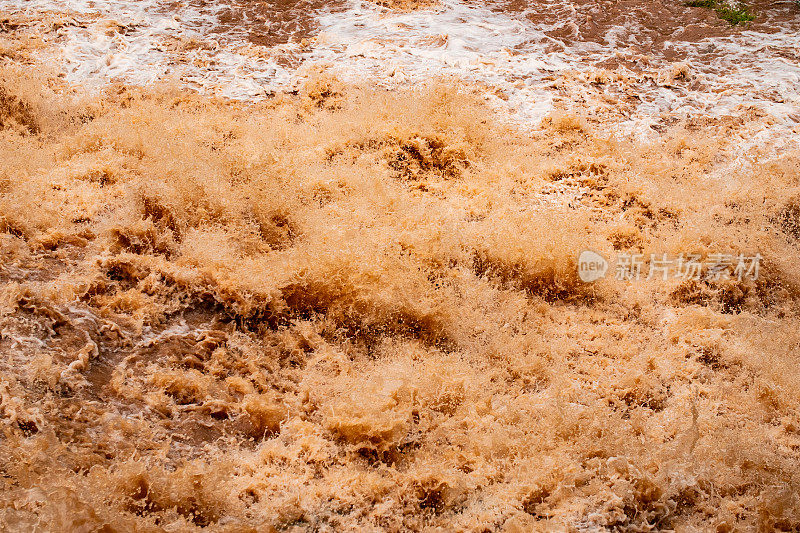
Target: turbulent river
point(651, 60)
point(399, 265)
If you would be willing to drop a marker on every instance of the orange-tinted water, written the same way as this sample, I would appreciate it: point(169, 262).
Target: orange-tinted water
point(348, 298)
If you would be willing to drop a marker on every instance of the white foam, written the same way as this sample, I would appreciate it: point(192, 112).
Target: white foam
point(515, 55)
point(453, 39)
point(94, 56)
point(363, 41)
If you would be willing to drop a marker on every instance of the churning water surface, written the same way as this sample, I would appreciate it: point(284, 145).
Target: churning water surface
point(639, 62)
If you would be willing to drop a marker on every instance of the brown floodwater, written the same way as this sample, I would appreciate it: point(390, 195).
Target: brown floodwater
point(638, 26)
point(356, 306)
point(649, 28)
point(266, 23)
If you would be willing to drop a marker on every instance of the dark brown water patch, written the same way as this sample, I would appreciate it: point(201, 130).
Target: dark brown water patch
point(268, 23)
point(644, 27)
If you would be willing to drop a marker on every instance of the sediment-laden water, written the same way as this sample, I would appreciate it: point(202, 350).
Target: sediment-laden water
point(644, 59)
point(320, 266)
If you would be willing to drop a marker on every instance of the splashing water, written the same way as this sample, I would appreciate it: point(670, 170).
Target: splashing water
point(648, 61)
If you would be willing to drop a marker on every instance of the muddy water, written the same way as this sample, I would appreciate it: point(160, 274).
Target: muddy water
point(762, 55)
point(272, 22)
point(644, 27)
point(244, 49)
point(351, 309)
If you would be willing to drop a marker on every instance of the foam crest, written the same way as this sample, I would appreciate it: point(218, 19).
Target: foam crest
point(528, 61)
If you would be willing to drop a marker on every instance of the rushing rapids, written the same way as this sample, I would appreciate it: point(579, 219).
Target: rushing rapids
point(318, 266)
